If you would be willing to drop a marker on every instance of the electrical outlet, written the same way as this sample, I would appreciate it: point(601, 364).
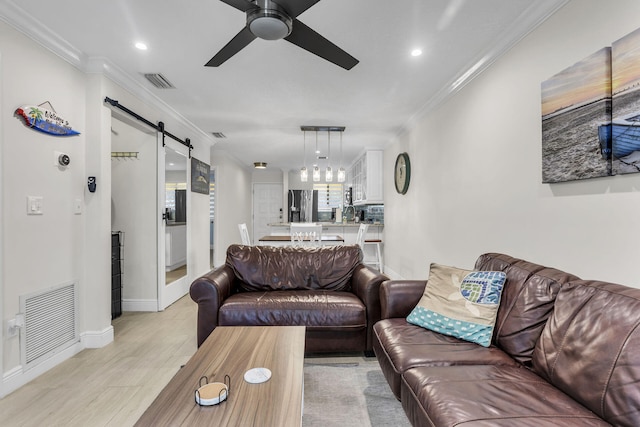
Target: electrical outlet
point(12, 328)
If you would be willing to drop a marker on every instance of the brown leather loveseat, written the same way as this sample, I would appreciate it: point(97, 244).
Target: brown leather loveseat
point(326, 289)
point(565, 352)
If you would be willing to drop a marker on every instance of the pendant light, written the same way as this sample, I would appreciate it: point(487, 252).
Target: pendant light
point(342, 174)
point(316, 170)
point(304, 173)
point(328, 175)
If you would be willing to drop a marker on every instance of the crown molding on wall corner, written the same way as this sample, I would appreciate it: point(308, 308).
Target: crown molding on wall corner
point(19, 19)
point(22, 21)
point(510, 37)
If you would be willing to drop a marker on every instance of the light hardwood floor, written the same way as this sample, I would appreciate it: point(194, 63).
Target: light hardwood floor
point(110, 386)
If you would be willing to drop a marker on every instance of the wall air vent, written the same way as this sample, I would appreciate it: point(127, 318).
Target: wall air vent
point(218, 134)
point(159, 81)
point(50, 323)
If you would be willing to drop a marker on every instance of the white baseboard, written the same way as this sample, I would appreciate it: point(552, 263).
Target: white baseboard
point(139, 305)
point(17, 377)
point(97, 339)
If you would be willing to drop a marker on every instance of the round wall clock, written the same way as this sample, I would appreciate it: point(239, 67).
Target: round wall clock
point(402, 173)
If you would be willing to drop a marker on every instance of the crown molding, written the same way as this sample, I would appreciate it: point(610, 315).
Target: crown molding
point(23, 22)
point(530, 19)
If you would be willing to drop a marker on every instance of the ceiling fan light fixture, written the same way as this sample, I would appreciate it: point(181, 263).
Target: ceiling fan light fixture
point(269, 24)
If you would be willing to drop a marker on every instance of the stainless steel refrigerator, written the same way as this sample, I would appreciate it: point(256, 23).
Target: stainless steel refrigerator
point(303, 206)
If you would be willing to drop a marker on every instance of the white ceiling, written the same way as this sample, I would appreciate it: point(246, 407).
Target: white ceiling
point(260, 97)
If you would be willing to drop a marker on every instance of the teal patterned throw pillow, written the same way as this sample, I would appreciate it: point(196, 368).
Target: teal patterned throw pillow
point(460, 303)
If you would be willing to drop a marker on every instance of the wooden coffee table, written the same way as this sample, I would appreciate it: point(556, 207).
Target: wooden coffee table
point(232, 350)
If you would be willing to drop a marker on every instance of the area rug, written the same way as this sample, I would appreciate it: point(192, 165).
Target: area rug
point(350, 393)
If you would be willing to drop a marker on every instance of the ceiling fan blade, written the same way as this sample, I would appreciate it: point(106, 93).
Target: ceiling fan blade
point(243, 5)
point(296, 7)
point(242, 39)
point(304, 37)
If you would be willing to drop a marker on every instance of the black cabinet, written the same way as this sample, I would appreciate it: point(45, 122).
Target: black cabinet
point(116, 274)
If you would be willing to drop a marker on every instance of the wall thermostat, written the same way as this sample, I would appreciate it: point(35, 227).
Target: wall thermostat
point(64, 160)
point(61, 160)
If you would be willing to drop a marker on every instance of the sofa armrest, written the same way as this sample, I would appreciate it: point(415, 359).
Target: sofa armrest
point(399, 297)
point(365, 284)
point(209, 291)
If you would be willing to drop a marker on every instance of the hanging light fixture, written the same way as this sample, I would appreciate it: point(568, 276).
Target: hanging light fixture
point(342, 174)
point(328, 175)
point(316, 169)
point(304, 173)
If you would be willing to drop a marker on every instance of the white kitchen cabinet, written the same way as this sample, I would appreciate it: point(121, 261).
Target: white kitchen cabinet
point(175, 246)
point(367, 178)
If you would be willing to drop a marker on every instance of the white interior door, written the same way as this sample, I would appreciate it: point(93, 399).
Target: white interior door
point(267, 208)
point(173, 241)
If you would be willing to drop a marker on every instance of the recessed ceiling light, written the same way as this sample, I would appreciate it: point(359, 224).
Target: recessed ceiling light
point(416, 52)
point(141, 46)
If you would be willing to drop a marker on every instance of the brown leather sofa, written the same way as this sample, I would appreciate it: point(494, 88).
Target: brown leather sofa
point(565, 352)
point(326, 289)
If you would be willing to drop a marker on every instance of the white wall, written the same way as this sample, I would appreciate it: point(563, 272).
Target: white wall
point(233, 202)
point(476, 168)
point(43, 250)
point(59, 246)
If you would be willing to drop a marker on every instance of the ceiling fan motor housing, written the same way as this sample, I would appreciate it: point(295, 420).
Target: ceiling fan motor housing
point(269, 21)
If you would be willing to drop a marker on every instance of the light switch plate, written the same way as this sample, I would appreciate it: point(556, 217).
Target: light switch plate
point(77, 206)
point(34, 205)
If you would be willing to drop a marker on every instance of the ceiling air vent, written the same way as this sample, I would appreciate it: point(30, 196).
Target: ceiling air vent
point(159, 81)
point(218, 134)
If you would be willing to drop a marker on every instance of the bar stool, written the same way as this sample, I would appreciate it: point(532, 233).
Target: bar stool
point(361, 241)
point(244, 234)
point(378, 261)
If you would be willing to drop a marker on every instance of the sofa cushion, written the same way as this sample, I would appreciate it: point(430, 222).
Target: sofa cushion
point(268, 268)
point(527, 300)
point(400, 346)
point(460, 303)
point(488, 395)
point(327, 310)
point(590, 349)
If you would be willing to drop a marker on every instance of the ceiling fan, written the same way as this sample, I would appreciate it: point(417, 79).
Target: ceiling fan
point(275, 20)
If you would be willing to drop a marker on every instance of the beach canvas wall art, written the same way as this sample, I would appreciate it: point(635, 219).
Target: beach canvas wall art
point(576, 102)
point(625, 125)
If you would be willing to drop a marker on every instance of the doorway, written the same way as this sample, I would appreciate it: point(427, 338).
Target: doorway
point(133, 210)
point(267, 208)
